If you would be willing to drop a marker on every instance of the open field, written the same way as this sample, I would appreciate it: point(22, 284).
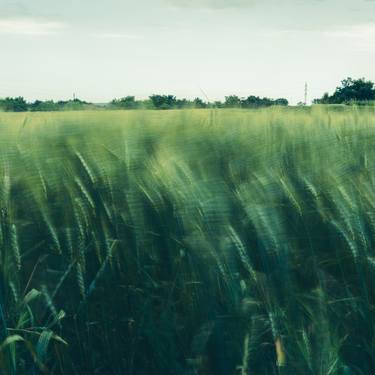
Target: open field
point(188, 242)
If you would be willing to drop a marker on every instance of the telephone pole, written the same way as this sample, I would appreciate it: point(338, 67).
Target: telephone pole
point(306, 88)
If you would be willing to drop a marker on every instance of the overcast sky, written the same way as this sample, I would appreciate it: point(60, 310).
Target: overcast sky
point(101, 49)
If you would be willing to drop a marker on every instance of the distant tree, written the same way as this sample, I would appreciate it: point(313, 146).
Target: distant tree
point(184, 103)
point(325, 99)
point(14, 104)
point(257, 102)
point(281, 102)
point(251, 102)
point(44, 106)
point(265, 102)
point(128, 102)
point(163, 101)
point(145, 104)
point(74, 105)
point(355, 90)
point(199, 103)
point(232, 101)
point(36, 105)
point(351, 91)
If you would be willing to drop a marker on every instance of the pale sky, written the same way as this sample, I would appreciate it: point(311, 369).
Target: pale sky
point(102, 49)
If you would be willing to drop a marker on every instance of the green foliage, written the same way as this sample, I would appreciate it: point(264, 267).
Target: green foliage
point(199, 103)
point(351, 91)
point(163, 101)
point(188, 242)
point(47, 106)
point(234, 101)
point(13, 104)
point(20, 105)
point(74, 105)
point(171, 102)
point(128, 102)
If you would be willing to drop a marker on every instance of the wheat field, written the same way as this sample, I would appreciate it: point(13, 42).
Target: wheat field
point(188, 242)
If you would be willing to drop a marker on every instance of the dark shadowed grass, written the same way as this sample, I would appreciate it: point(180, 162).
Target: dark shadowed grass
point(188, 242)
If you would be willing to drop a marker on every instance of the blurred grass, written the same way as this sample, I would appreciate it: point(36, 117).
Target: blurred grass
point(188, 242)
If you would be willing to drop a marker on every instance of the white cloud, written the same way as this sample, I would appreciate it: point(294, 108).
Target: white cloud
point(29, 26)
point(118, 36)
point(363, 32)
point(216, 4)
point(358, 37)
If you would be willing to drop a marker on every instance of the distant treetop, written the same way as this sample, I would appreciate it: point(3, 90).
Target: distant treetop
point(129, 102)
point(252, 101)
point(351, 91)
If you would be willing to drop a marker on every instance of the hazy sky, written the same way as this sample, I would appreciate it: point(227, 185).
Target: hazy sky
point(101, 49)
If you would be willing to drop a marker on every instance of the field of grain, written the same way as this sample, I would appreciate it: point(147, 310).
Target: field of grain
point(210, 242)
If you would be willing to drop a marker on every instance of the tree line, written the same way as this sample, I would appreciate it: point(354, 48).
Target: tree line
point(351, 91)
point(19, 104)
point(171, 102)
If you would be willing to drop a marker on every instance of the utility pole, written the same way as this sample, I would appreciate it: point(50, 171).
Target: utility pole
point(306, 87)
point(74, 96)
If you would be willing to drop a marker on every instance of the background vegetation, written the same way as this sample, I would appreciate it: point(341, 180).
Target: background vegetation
point(352, 91)
point(19, 104)
point(358, 91)
point(188, 242)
